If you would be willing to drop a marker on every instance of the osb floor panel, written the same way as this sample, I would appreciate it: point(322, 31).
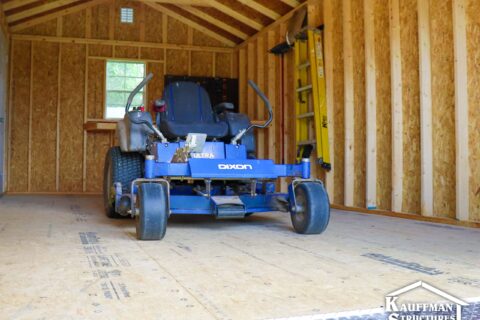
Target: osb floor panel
point(61, 258)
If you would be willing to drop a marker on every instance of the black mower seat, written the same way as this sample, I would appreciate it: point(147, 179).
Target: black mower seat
point(189, 110)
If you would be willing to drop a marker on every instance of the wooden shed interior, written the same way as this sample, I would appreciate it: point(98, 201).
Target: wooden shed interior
point(403, 98)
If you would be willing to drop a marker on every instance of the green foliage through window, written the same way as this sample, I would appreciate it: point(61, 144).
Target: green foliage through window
point(122, 78)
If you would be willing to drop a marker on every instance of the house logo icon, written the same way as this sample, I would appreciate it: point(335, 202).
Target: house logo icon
point(449, 310)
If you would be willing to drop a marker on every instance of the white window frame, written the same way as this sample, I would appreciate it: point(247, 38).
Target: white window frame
point(105, 106)
point(125, 12)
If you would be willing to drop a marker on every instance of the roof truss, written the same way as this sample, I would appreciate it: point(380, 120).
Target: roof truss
point(245, 17)
point(261, 8)
point(191, 23)
point(225, 26)
point(235, 14)
point(15, 4)
point(29, 22)
point(38, 10)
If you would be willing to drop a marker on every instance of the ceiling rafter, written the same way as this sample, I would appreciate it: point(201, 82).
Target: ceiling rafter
point(234, 14)
point(56, 14)
point(261, 9)
point(291, 3)
point(16, 4)
point(190, 23)
point(283, 19)
point(198, 3)
point(219, 23)
point(39, 9)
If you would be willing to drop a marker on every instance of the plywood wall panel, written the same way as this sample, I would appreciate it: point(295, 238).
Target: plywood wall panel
point(177, 62)
point(44, 116)
point(20, 105)
point(100, 50)
point(384, 114)
point(126, 52)
point(152, 53)
point(242, 80)
point(339, 130)
point(201, 64)
point(443, 108)
point(223, 63)
point(250, 75)
point(153, 25)
point(271, 142)
point(268, 89)
point(100, 21)
point(411, 106)
point(234, 64)
point(71, 117)
point(259, 111)
point(473, 45)
point(74, 25)
point(155, 86)
point(201, 39)
point(48, 28)
point(98, 144)
point(359, 199)
point(96, 88)
point(177, 32)
point(280, 97)
point(289, 108)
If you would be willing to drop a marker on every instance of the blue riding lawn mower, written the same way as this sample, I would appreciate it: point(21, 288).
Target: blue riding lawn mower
point(201, 160)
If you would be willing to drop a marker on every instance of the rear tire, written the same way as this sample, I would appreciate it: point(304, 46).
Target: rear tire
point(151, 221)
point(313, 208)
point(123, 167)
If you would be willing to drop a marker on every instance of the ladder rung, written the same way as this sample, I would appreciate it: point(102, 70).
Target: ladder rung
point(303, 65)
point(305, 115)
point(307, 142)
point(304, 88)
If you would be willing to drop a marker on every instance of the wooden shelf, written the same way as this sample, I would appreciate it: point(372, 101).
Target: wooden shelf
point(100, 125)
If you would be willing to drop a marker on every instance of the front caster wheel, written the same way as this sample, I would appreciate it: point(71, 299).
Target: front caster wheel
point(151, 221)
point(312, 213)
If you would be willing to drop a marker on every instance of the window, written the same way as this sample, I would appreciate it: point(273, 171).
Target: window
point(122, 78)
point(126, 15)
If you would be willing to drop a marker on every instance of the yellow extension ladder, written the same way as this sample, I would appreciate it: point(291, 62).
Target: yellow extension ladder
point(310, 103)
